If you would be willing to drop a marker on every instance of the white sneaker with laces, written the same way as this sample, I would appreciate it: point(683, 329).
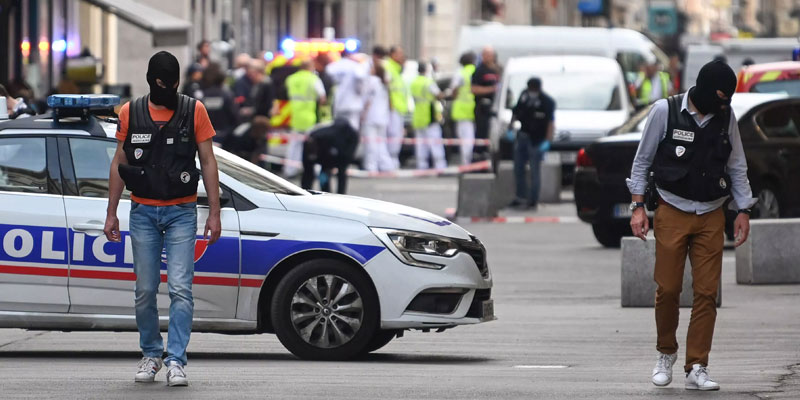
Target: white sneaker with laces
point(662, 373)
point(147, 369)
point(176, 376)
point(697, 379)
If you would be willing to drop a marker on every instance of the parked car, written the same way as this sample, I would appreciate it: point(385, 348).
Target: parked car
point(333, 276)
point(590, 94)
point(770, 131)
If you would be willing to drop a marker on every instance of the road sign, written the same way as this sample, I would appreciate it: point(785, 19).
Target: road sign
point(662, 18)
point(591, 7)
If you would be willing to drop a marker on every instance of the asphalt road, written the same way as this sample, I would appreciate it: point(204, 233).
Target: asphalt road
point(561, 334)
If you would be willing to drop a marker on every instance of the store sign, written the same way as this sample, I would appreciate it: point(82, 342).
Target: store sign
point(663, 18)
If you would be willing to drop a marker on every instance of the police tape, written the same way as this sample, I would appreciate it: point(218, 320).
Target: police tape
point(403, 173)
point(285, 137)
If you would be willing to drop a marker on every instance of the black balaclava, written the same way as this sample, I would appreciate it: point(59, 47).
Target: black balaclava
point(714, 76)
point(163, 65)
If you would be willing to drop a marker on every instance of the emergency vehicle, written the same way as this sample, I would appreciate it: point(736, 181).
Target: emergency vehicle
point(777, 77)
point(333, 276)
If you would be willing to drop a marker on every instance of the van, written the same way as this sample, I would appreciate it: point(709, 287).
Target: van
point(630, 48)
point(590, 94)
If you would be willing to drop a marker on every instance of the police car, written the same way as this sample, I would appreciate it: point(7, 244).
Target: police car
point(333, 276)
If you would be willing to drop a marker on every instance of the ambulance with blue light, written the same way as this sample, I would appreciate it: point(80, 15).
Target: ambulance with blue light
point(333, 276)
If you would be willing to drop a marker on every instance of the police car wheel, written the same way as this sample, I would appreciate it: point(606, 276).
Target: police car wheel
point(325, 310)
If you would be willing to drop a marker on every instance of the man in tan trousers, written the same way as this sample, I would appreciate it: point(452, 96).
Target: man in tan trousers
point(691, 143)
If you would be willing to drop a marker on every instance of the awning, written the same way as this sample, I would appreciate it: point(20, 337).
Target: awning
point(167, 30)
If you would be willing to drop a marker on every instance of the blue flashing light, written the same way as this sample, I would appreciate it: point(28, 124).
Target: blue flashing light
point(82, 100)
point(59, 45)
point(269, 56)
point(288, 54)
point(287, 45)
point(352, 45)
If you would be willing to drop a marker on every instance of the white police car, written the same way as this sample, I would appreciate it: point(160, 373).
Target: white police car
point(333, 276)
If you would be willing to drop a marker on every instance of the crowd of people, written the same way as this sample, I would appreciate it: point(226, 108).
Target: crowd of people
point(312, 96)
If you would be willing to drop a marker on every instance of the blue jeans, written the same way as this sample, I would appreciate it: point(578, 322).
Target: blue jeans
point(153, 228)
point(525, 152)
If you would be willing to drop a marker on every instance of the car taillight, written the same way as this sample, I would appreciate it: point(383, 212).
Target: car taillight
point(583, 159)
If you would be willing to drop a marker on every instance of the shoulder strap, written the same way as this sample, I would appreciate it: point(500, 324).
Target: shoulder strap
point(137, 118)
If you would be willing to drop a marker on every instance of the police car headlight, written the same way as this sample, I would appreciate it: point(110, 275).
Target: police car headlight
point(406, 245)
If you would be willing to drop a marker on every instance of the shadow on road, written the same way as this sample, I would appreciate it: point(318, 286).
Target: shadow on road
point(383, 358)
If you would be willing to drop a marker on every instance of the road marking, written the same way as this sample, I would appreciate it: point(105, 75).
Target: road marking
point(541, 366)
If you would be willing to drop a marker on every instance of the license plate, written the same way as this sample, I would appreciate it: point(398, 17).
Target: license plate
point(622, 211)
point(487, 310)
point(568, 157)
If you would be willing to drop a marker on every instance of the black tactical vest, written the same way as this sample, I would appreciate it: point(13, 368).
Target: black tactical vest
point(690, 161)
point(161, 162)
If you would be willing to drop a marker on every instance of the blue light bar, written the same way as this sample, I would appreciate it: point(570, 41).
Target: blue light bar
point(82, 100)
point(352, 45)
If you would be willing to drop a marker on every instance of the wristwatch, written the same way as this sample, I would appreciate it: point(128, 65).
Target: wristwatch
point(747, 211)
point(636, 204)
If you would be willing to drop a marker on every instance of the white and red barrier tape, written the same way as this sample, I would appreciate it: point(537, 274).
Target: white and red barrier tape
point(409, 141)
point(403, 173)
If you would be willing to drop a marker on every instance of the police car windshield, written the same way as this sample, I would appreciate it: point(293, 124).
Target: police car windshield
point(253, 176)
point(585, 91)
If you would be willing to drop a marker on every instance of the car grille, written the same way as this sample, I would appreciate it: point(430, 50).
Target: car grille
point(477, 251)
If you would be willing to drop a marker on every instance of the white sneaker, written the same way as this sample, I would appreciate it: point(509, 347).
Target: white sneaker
point(176, 376)
point(662, 373)
point(697, 379)
point(147, 369)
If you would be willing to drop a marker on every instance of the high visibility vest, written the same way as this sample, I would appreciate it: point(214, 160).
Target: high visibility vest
point(302, 100)
point(397, 89)
point(464, 103)
point(647, 87)
point(423, 101)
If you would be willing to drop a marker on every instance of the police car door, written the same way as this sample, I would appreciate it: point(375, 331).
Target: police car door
point(33, 264)
point(103, 279)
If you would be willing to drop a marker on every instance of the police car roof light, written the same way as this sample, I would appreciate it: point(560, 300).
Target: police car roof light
point(81, 105)
point(89, 101)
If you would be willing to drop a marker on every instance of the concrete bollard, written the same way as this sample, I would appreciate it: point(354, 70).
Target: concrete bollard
point(771, 253)
point(475, 195)
point(504, 185)
point(638, 286)
point(551, 179)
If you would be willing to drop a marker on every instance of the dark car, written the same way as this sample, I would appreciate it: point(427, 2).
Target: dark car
point(770, 131)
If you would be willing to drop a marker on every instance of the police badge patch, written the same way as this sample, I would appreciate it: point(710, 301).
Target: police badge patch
point(686, 136)
point(722, 183)
point(138, 153)
point(140, 138)
point(185, 177)
point(680, 151)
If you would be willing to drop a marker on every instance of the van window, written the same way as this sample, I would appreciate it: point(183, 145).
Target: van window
point(586, 90)
point(631, 64)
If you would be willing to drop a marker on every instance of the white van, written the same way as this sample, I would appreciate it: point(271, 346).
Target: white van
point(630, 48)
point(589, 91)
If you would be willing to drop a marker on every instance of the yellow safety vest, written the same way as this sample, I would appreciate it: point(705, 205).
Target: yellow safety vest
point(397, 89)
point(302, 100)
point(423, 100)
point(464, 103)
point(647, 87)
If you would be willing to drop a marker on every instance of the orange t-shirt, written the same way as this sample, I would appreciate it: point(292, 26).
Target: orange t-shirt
point(203, 130)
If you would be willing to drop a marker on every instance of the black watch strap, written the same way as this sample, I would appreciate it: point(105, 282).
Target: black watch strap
point(747, 211)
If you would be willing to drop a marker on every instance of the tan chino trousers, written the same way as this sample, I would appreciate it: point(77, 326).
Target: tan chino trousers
point(702, 237)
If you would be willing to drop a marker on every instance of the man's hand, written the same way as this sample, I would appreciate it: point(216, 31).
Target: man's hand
point(741, 228)
point(640, 224)
point(111, 228)
point(214, 226)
